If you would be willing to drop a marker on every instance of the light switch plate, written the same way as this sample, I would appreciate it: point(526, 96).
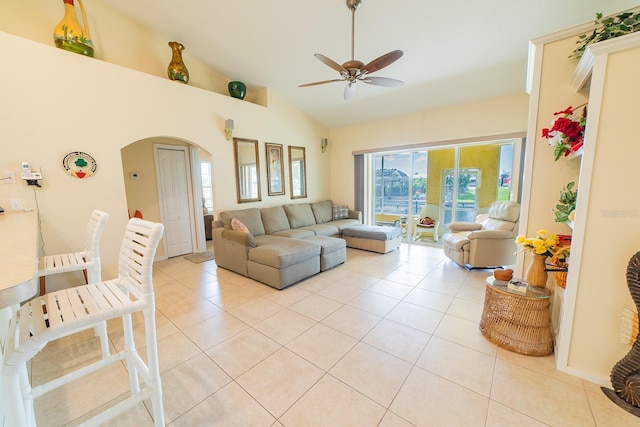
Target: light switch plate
point(16, 204)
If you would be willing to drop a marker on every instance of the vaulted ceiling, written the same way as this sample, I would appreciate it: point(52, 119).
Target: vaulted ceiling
point(454, 52)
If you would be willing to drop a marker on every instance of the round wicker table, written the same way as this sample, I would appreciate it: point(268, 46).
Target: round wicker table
point(517, 321)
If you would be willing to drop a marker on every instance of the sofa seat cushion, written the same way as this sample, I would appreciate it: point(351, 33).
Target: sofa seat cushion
point(298, 233)
point(456, 241)
point(322, 229)
point(372, 232)
point(344, 223)
point(299, 215)
point(322, 211)
point(281, 252)
point(333, 251)
point(250, 217)
point(274, 219)
point(328, 244)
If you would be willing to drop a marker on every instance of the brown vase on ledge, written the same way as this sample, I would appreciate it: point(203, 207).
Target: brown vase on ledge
point(177, 70)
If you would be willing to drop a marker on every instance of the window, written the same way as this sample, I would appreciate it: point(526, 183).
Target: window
point(459, 181)
point(207, 188)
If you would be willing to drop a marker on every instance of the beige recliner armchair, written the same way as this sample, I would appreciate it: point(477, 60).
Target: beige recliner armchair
point(487, 243)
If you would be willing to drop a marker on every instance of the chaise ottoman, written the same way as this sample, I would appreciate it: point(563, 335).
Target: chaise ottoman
point(333, 250)
point(375, 238)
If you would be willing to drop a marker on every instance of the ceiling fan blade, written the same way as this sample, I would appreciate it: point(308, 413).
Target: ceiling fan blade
point(349, 90)
point(331, 63)
point(383, 81)
point(321, 83)
point(381, 62)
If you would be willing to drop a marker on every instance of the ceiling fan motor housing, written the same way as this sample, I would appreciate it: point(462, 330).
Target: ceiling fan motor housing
point(353, 66)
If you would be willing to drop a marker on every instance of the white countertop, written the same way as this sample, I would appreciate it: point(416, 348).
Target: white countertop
point(18, 256)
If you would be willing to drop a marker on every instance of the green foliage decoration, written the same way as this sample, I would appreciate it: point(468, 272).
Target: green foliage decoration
point(608, 28)
point(566, 202)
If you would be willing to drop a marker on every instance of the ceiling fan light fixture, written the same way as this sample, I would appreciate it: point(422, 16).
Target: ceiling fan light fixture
point(353, 70)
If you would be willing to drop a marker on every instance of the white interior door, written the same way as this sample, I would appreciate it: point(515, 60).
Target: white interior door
point(174, 180)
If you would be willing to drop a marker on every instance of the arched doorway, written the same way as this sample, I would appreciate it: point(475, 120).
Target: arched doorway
point(154, 190)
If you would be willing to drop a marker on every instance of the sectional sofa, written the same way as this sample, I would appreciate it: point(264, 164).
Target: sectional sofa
point(282, 245)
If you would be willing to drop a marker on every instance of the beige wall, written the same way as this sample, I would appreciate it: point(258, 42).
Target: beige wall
point(116, 39)
point(490, 117)
point(550, 176)
point(84, 104)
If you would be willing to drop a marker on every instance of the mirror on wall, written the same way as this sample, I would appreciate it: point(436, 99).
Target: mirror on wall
point(247, 170)
point(297, 172)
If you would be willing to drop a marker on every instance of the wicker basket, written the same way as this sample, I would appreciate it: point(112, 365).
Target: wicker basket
point(559, 276)
point(517, 322)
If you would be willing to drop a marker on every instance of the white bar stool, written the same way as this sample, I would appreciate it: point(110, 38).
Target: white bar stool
point(57, 314)
point(87, 260)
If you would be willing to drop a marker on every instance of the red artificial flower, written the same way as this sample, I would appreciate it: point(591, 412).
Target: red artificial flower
point(566, 135)
point(568, 111)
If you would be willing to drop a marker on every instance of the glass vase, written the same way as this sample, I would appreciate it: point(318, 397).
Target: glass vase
point(237, 89)
point(70, 35)
point(536, 274)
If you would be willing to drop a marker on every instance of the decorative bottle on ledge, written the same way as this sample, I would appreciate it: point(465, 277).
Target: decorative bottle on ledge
point(177, 70)
point(237, 89)
point(69, 34)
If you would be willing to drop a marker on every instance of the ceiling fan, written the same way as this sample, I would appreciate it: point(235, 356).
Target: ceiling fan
point(354, 71)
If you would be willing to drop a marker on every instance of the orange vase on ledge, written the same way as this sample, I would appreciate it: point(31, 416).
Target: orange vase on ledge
point(536, 274)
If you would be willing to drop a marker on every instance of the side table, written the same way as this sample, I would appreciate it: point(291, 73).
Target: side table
point(519, 322)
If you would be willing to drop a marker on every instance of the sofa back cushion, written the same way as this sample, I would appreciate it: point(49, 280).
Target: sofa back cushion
point(299, 215)
point(322, 211)
point(274, 219)
point(496, 224)
point(503, 215)
point(249, 217)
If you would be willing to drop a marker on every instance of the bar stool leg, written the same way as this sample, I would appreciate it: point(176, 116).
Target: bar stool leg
point(27, 397)
point(13, 401)
point(130, 348)
point(153, 365)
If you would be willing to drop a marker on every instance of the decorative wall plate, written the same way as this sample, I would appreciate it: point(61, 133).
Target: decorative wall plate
point(79, 164)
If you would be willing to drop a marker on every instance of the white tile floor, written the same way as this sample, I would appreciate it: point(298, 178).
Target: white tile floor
point(382, 340)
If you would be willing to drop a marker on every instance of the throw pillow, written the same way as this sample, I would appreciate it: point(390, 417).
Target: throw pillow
point(236, 224)
point(340, 212)
point(427, 222)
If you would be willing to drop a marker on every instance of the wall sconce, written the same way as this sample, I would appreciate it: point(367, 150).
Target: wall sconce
point(323, 144)
point(228, 128)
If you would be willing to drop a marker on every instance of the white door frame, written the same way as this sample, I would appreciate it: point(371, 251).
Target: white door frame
point(194, 187)
point(196, 179)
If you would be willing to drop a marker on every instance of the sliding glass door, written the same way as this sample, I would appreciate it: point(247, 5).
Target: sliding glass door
point(451, 183)
point(461, 186)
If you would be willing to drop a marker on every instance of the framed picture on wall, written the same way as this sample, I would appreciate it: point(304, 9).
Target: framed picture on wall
point(275, 168)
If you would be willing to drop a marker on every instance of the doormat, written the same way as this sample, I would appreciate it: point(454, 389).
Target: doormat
point(199, 257)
